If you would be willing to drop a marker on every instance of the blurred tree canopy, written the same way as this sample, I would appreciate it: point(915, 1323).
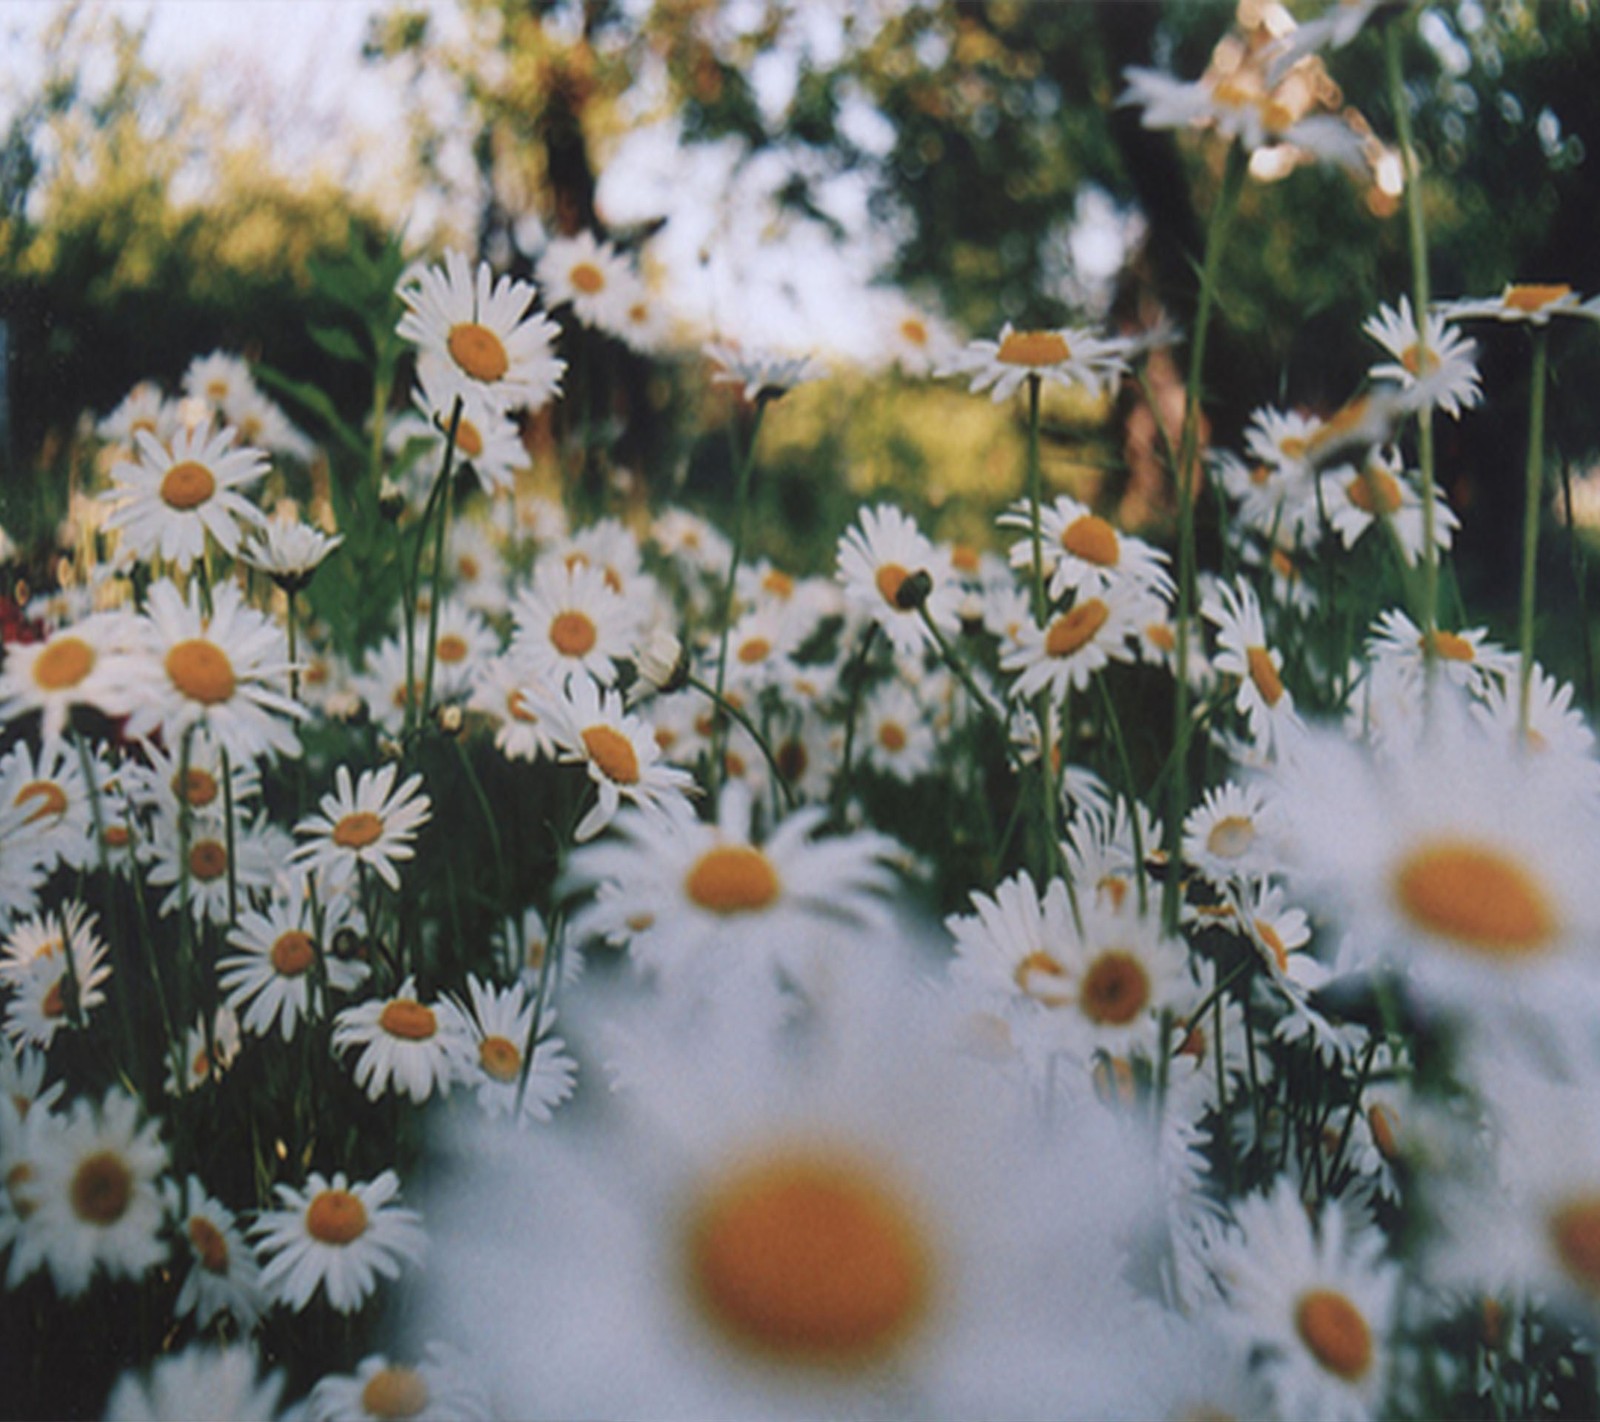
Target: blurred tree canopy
point(977, 131)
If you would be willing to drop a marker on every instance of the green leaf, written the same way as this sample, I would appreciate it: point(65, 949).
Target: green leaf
point(310, 397)
point(338, 343)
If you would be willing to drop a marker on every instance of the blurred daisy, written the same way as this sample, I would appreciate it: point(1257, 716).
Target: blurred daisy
point(645, 324)
point(1242, 652)
point(159, 781)
point(1559, 738)
point(570, 619)
point(1445, 379)
point(877, 559)
point(486, 437)
point(90, 664)
point(219, 1384)
point(474, 335)
point(1065, 653)
point(223, 1276)
point(510, 695)
point(205, 1057)
point(1531, 302)
point(1066, 357)
point(219, 380)
point(1398, 648)
point(142, 408)
point(1226, 837)
point(439, 1389)
point(500, 1021)
point(96, 1206)
point(50, 797)
point(371, 823)
point(172, 497)
point(762, 375)
point(268, 982)
point(336, 1236)
point(590, 726)
point(1357, 498)
point(897, 735)
point(716, 903)
point(1083, 552)
point(464, 642)
point(289, 552)
point(222, 671)
point(215, 879)
point(55, 966)
point(587, 274)
point(917, 343)
point(412, 1046)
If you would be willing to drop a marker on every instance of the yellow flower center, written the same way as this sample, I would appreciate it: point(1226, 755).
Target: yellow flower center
point(890, 577)
point(468, 440)
point(588, 278)
point(198, 787)
point(1452, 647)
point(1575, 1232)
point(1231, 837)
point(914, 332)
point(1334, 1330)
point(500, 1058)
point(964, 558)
point(573, 634)
point(64, 662)
point(1264, 674)
point(778, 583)
point(753, 650)
point(52, 800)
point(1115, 990)
point(201, 671)
point(1160, 636)
point(1035, 348)
point(451, 649)
point(1475, 896)
point(1374, 491)
point(336, 1217)
point(1411, 359)
point(292, 953)
point(892, 737)
point(613, 752)
point(187, 485)
point(1074, 630)
point(1092, 539)
point(1531, 297)
point(478, 351)
point(208, 860)
point(810, 1260)
point(517, 705)
point(396, 1393)
point(1041, 977)
point(732, 878)
point(408, 1020)
point(1385, 1131)
point(102, 1188)
point(210, 1248)
point(357, 830)
point(1275, 945)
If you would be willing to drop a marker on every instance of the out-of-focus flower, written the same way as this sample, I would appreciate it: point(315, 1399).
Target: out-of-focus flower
point(1066, 357)
point(762, 375)
point(219, 1384)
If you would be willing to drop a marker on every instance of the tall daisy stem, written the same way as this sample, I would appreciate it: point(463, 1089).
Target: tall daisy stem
point(1049, 796)
point(724, 707)
point(1188, 449)
point(445, 470)
point(1530, 521)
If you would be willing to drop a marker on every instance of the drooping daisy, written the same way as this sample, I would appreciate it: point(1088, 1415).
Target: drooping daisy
point(95, 1193)
point(268, 982)
point(761, 375)
point(1075, 644)
point(55, 966)
point(487, 438)
point(704, 901)
point(1242, 652)
point(441, 1388)
point(1068, 357)
point(500, 1020)
point(218, 881)
point(1398, 648)
point(590, 726)
point(92, 664)
point(338, 1236)
point(1080, 551)
point(570, 619)
point(1378, 491)
point(172, 497)
point(878, 558)
point(220, 1384)
point(415, 1047)
point(371, 823)
point(1531, 302)
point(1445, 378)
point(205, 1056)
point(227, 671)
point(289, 552)
point(587, 274)
point(51, 798)
point(223, 1276)
point(475, 335)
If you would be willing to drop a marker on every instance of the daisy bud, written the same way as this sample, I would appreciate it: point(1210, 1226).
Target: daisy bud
point(391, 500)
point(348, 707)
point(662, 665)
point(914, 590)
point(347, 944)
point(448, 719)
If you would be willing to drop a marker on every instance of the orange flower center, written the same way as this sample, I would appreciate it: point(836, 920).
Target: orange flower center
point(208, 860)
point(809, 1260)
point(753, 650)
point(1115, 990)
point(1092, 539)
point(408, 1020)
point(573, 634)
point(396, 1393)
point(779, 584)
point(187, 485)
point(1411, 359)
point(1475, 896)
point(1041, 977)
point(468, 440)
point(613, 752)
point(478, 351)
point(1334, 1330)
point(1452, 647)
point(890, 577)
point(55, 1001)
point(892, 737)
point(1264, 674)
point(1231, 837)
point(517, 705)
point(500, 1058)
point(51, 797)
point(1531, 297)
point(102, 1188)
point(1161, 637)
point(292, 953)
point(1035, 348)
point(210, 1248)
point(201, 671)
point(1275, 945)
point(1385, 1131)
point(588, 278)
point(1575, 1233)
point(336, 1217)
point(1374, 491)
point(732, 878)
point(914, 331)
point(64, 662)
point(198, 787)
point(1074, 630)
point(358, 830)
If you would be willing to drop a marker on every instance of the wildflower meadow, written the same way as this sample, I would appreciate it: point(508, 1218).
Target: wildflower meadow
point(494, 927)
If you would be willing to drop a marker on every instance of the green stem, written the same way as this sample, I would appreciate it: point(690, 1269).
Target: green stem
point(445, 470)
point(741, 497)
point(229, 838)
point(1580, 579)
point(1530, 520)
point(1128, 789)
point(1188, 445)
point(1049, 795)
point(724, 707)
point(857, 674)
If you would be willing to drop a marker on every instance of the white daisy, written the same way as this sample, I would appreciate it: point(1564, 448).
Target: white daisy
point(507, 692)
point(500, 1020)
point(55, 965)
point(289, 552)
point(475, 336)
point(372, 823)
point(570, 619)
point(223, 1276)
point(487, 438)
point(1531, 302)
point(89, 664)
point(1398, 649)
point(216, 884)
point(204, 1057)
point(219, 1384)
point(415, 1047)
point(1226, 836)
point(1068, 357)
point(1378, 491)
point(439, 1389)
point(142, 408)
point(51, 798)
point(896, 734)
point(760, 374)
point(877, 558)
point(172, 497)
point(1242, 652)
point(1064, 654)
point(336, 1236)
point(587, 274)
point(268, 983)
point(1446, 380)
point(1080, 551)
